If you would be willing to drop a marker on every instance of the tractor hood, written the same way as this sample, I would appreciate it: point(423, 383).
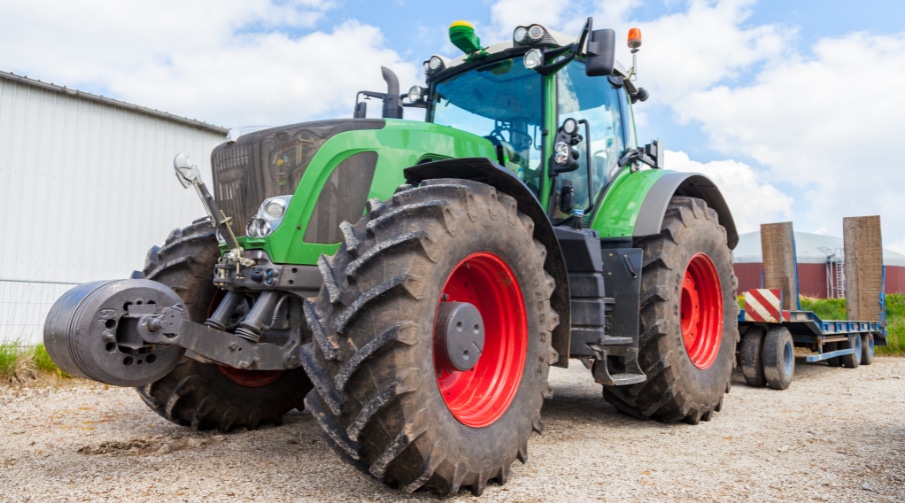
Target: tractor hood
point(271, 162)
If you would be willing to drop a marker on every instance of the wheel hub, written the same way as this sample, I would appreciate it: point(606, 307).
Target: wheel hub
point(481, 291)
point(460, 335)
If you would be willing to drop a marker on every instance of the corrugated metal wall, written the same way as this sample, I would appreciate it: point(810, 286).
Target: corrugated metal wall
point(85, 189)
point(811, 278)
point(750, 275)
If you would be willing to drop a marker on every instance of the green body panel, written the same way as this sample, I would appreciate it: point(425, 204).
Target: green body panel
point(622, 202)
point(550, 119)
point(402, 143)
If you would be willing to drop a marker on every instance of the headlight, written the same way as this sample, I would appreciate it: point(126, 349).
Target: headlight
point(519, 35)
point(275, 208)
point(536, 32)
point(434, 65)
point(534, 59)
point(416, 94)
point(258, 228)
point(269, 216)
point(562, 152)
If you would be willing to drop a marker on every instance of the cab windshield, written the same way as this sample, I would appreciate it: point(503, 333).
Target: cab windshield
point(503, 102)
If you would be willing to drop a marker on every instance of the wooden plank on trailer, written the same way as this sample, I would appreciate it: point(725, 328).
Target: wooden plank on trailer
point(863, 267)
point(777, 242)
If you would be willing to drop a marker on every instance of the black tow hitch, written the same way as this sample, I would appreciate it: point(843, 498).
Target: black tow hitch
point(133, 332)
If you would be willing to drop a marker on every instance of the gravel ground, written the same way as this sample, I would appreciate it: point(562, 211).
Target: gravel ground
point(835, 435)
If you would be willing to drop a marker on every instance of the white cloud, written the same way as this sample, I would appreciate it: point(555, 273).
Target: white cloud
point(507, 14)
point(231, 62)
point(683, 52)
point(828, 124)
point(272, 78)
point(752, 200)
point(708, 43)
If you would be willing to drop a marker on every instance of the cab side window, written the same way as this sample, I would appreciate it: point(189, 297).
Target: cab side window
point(597, 101)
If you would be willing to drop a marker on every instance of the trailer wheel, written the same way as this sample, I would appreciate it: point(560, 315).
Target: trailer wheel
point(779, 358)
point(689, 315)
point(204, 395)
point(867, 349)
point(832, 362)
point(853, 360)
point(751, 357)
point(432, 338)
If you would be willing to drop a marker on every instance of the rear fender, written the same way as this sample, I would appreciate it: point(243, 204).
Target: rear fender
point(650, 215)
point(483, 170)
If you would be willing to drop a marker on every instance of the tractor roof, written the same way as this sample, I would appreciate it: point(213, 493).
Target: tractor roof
point(509, 48)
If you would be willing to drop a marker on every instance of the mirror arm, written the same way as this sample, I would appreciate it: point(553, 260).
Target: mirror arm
point(221, 221)
point(188, 174)
point(588, 26)
point(570, 52)
point(649, 154)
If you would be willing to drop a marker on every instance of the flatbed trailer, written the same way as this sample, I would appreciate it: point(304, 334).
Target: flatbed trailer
point(773, 339)
point(775, 331)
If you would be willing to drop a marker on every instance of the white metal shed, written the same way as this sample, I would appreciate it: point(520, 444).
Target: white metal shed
point(86, 187)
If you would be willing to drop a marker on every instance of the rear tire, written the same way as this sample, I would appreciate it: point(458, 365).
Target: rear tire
point(853, 360)
point(751, 357)
point(204, 395)
point(836, 361)
point(386, 400)
point(867, 349)
point(779, 358)
point(689, 313)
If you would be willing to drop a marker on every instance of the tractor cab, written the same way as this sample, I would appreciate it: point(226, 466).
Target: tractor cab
point(520, 94)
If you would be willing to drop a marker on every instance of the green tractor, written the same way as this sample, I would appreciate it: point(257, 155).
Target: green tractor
point(411, 283)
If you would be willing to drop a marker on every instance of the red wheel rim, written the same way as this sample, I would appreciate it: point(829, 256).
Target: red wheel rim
point(251, 378)
point(479, 396)
point(701, 311)
point(247, 378)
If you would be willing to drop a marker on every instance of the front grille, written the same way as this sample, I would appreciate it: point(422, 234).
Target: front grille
point(270, 163)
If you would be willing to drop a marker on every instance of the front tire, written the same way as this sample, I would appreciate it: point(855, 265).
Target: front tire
point(853, 360)
point(689, 314)
point(751, 357)
point(204, 395)
point(867, 349)
point(779, 358)
point(388, 396)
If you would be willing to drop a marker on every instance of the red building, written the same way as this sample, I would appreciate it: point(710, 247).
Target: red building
point(821, 265)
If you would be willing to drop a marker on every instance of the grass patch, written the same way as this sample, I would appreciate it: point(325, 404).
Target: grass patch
point(43, 362)
point(895, 325)
point(895, 342)
point(826, 309)
point(9, 353)
point(22, 364)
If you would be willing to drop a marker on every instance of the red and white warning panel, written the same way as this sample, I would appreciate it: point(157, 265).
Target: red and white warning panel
point(763, 305)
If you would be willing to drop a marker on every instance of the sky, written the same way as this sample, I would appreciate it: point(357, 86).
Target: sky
point(795, 109)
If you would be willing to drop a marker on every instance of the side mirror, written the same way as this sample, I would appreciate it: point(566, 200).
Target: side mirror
point(652, 151)
point(361, 110)
point(601, 53)
point(187, 172)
